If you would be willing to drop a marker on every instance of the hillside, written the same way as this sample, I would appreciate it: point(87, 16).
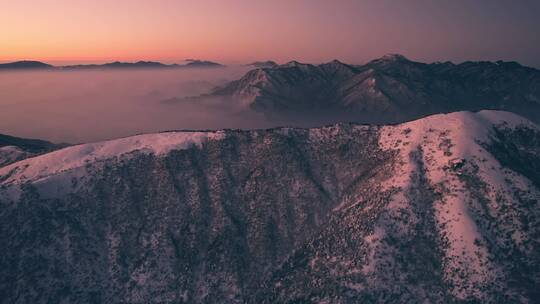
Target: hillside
point(443, 209)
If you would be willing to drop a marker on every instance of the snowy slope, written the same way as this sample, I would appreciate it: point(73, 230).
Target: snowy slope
point(448, 145)
point(442, 209)
point(31, 170)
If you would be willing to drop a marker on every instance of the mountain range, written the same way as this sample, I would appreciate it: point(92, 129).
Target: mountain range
point(25, 64)
point(191, 63)
point(442, 209)
point(385, 90)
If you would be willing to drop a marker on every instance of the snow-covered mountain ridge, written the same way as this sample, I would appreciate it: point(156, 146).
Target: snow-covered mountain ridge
point(386, 90)
point(73, 157)
point(448, 146)
point(440, 209)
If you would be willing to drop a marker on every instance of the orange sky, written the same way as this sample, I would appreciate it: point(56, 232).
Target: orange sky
point(232, 31)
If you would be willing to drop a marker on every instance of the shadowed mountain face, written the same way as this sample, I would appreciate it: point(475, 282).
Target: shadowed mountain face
point(389, 89)
point(438, 210)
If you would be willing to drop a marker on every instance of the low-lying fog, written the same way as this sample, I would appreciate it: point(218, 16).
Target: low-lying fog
point(83, 106)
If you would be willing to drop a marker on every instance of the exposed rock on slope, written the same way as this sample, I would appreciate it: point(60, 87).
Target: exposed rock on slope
point(388, 89)
point(440, 209)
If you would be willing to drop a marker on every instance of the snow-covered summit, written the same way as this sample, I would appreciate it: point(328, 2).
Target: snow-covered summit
point(470, 124)
point(450, 150)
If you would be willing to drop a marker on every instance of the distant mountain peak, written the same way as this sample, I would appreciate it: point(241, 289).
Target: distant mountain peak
point(294, 64)
point(25, 64)
point(202, 63)
point(30, 62)
point(148, 62)
point(336, 67)
point(264, 64)
point(336, 62)
point(393, 57)
point(138, 64)
point(192, 63)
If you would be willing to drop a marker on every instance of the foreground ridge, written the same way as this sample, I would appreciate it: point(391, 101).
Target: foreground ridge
point(441, 209)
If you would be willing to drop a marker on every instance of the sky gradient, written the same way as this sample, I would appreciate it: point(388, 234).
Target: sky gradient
point(239, 31)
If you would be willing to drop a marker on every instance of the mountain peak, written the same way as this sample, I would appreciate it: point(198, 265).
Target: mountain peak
point(390, 60)
point(336, 62)
point(202, 63)
point(264, 64)
point(393, 57)
point(336, 67)
point(292, 64)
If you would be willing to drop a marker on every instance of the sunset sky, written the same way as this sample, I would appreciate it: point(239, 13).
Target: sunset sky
point(238, 31)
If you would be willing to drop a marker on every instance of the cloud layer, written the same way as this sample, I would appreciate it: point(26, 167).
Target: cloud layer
point(88, 106)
